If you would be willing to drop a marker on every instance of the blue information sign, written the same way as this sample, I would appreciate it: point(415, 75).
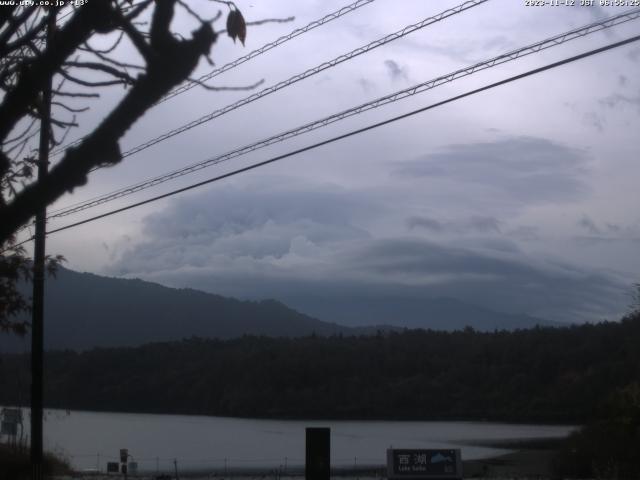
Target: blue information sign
point(427, 464)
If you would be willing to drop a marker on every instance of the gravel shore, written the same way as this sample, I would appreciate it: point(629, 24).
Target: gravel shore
point(527, 463)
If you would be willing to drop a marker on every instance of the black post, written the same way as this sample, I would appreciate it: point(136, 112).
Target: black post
point(37, 325)
point(318, 454)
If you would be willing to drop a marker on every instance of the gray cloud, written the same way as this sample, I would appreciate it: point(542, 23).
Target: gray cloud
point(258, 222)
point(302, 243)
point(499, 42)
point(366, 85)
point(597, 12)
point(608, 234)
point(595, 120)
point(298, 238)
point(589, 225)
point(405, 268)
point(484, 224)
point(527, 169)
point(502, 281)
point(634, 55)
point(396, 72)
point(426, 223)
point(613, 228)
point(591, 240)
point(479, 224)
point(590, 118)
point(525, 233)
point(616, 100)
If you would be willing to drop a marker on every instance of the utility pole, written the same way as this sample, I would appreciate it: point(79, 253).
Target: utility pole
point(37, 324)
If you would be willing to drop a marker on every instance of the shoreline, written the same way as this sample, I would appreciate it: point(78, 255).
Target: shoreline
point(530, 459)
point(568, 422)
point(535, 463)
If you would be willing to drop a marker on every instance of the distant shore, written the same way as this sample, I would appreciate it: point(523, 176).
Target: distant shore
point(527, 459)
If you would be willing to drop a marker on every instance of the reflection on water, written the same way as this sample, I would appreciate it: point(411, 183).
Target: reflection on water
point(90, 439)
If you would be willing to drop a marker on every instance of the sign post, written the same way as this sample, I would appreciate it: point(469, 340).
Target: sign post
point(11, 418)
point(423, 464)
point(318, 454)
point(124, 455)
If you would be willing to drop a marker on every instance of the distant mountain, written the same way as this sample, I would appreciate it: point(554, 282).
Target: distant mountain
point(86, 310)
point(410, 312)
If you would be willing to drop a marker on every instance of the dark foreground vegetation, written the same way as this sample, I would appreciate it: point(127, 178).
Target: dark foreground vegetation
point(586, 374)
point(14, 463)
point(538, 375)
point(608, 447)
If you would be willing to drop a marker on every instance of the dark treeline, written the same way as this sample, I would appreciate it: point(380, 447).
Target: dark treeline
point(538, 375)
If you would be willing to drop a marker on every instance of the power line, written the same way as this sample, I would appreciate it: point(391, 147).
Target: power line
point(352, 133)
point(301, 76)
point(265, 48)
point(306, 74)
point(399, 95)
point(269, 46)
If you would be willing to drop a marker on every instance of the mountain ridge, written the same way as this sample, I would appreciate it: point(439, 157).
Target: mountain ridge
point(85, 310)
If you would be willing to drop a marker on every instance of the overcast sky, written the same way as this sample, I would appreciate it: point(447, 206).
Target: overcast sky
point(523, 198)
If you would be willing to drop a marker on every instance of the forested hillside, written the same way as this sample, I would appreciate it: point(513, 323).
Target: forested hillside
point(542, 374)
point(86, 310)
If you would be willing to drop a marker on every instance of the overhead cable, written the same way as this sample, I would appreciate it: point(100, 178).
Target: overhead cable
point(269, 46)
point(394, 97)
point(301, 76)
point(259, 51)
point(351, 133)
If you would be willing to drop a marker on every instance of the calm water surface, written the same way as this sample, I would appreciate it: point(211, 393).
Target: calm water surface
point(90, 439)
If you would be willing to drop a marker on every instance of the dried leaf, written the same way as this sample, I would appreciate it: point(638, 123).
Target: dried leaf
point(231, 25)
point(242, 27)
point(236, 26)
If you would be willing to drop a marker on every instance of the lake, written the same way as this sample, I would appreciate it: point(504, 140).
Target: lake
point(90, 439)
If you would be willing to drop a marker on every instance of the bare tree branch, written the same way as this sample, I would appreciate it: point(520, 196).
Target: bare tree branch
point(107, 50)
point(170, 61)
point(116, 62)
point(29, 60)
point(136, 38)
point(60, 93)
point(14, 25)
point(69, 109)
point(222, 89)
point(15, 103)
point(32, 34)
point(125, 77)
point(271, 20)
point(88, 83)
